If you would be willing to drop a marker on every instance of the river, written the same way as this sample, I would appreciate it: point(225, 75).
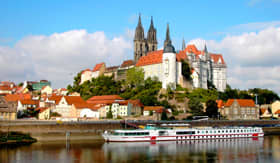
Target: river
point(262, 150)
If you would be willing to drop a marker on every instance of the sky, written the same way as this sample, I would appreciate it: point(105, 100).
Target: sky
point(56, 39)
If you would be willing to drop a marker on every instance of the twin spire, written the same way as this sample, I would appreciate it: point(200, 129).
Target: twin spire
point(168, 47)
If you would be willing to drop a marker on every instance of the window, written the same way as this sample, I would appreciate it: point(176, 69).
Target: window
point(166, 66)
point(185, 132)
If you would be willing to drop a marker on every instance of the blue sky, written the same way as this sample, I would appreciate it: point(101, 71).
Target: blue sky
point(54, 39)
point(188, 19)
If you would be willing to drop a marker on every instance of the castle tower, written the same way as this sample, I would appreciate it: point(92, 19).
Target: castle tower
point(139, 41)
point(152, 37)
point(209, 65)
point(169, 63)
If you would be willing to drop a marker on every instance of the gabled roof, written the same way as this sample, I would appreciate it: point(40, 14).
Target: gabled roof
point(86, 70)
point(86, 105)
point(55, 98)
point(6, 88)
point(127, 63)
point(263, 110)
point(74, 100)
point(98, 66)
point(155, 57)
point(215, 57)
point(135, 103)
point(241, 102)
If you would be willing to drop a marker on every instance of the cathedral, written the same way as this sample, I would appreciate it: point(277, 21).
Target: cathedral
point(166, 64)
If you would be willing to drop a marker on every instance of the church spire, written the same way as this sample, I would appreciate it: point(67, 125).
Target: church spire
point(167, 36)
point(168, 47)
point(205, 49)
point(152, 37)
point(183, 44)
point(139, 32)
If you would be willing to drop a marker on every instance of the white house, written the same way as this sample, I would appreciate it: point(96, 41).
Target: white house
point(46, 90)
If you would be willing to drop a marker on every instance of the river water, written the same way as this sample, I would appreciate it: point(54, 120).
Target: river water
point(262, 150)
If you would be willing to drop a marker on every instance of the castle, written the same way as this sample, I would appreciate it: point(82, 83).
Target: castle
point(167, 64)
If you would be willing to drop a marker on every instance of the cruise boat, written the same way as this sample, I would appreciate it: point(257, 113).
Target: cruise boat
point(172, 133)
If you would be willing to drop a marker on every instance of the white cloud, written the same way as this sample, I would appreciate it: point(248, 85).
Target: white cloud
point(59, 55)
point(252, 58)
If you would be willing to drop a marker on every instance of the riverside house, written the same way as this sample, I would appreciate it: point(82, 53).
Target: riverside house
point(240, 109)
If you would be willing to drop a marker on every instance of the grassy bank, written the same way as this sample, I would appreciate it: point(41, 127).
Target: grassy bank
point(15, 138)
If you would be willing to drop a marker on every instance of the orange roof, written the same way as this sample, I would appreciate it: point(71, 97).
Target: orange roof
point(86, 105)
point(136, 103)
point(241, 102)
point(152, 108)
point(6, 88)
point(29, 102)
point(85, 70)
point(74, 100)
point(192, 49)
point(277, 112)
point(127, 63)
point(263, 110)
point(155, 57)
point(98, 66)
point(216, 58)
point(55, 98)
point(105, 97)
point(16, 97)
point(220, 103)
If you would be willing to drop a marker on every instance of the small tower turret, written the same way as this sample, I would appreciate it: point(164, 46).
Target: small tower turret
point(183, 44)
point(169, 63)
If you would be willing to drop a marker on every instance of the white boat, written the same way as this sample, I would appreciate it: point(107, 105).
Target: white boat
point(152, 133)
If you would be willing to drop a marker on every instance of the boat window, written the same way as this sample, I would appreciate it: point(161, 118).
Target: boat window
point(185, 132)
point(206, 132)
point(162, 133)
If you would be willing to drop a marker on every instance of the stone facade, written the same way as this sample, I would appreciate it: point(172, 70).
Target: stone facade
point(8, 110)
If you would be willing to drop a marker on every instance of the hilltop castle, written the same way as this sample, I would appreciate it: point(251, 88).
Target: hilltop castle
point(166, 64)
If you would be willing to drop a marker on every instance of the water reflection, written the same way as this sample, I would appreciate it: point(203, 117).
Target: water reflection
point(227, 150)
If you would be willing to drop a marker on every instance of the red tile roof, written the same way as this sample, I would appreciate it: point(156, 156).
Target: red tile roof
point(192, 49)
point(55, 98)
point(86, 105)
point(216, 58)
point(127, 63)
point(29, 102)
point(98, 66)
point(155, 57)
point(6, 88)
point(153, 108)
point(105, 97)
point(241, 102)
point(263, 110)
point(16, 97)
point(74, 100)
point(85, 70)
point(136, 103)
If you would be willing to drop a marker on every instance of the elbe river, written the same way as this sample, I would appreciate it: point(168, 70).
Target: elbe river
point(262, 150)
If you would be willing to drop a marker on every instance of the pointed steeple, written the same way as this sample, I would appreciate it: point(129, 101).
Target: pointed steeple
point(183, 44)
point(205, 49)
point(152, 38)
point(167, 36)
point(139, 32)
point(168, 47)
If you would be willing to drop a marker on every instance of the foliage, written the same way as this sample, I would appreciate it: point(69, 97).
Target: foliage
point(135, 77)
point(203, 95)
point(55, 114)
point(109, 114)
point(164, 115)
point(151, 113)
point(211, 109)
point(102, 85)
point(196, 108)
point(186, 70)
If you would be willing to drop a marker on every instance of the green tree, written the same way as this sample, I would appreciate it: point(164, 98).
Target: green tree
point(186, 70)
point(211, 109)
point(164, 115)
point(109, 114)
point(135, 77)
point(196, 108)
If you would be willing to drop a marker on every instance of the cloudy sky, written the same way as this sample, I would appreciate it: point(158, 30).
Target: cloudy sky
point(56, 39)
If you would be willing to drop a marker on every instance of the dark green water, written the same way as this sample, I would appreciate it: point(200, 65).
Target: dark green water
point(262, 150)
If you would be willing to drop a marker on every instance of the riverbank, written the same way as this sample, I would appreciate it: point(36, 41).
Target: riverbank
point(15, 138)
